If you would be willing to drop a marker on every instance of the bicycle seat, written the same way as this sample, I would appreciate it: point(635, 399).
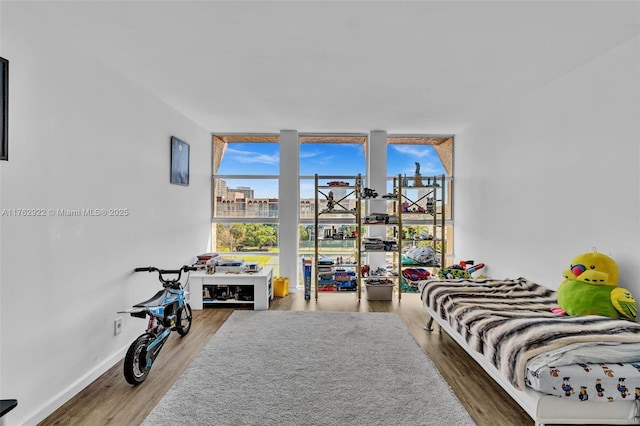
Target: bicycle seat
point(153, 302)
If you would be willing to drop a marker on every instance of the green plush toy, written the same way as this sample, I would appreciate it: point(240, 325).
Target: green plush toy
point(591, 288)
point(453, 272)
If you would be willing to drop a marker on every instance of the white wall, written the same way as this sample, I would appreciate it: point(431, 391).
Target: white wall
point(555, 175)
point(83, 137)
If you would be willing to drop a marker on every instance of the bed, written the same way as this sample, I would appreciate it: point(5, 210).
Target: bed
point(559, 369)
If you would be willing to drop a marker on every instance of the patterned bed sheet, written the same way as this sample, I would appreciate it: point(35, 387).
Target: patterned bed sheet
point(511, 324)
point(588, 382)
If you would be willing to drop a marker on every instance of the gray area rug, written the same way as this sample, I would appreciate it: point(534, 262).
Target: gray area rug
point(310, 368)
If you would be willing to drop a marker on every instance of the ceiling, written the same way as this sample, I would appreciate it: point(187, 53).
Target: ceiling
point(415, 67)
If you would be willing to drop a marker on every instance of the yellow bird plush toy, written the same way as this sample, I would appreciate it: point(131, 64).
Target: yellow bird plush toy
point(591, 288)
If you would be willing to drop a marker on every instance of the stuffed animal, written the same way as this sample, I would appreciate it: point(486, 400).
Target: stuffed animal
point(591, 288)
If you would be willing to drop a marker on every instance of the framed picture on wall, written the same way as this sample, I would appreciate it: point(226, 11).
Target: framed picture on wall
point(179, 162)
point(4, 109)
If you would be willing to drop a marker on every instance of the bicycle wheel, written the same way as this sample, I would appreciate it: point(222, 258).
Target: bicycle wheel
point(135, 362)
point(184, 320)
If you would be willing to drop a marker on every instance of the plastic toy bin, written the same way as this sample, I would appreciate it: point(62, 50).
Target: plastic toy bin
point(280, 286)
point(379, 291)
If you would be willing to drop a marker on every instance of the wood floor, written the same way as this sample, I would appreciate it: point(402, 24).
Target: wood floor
point(111, 401)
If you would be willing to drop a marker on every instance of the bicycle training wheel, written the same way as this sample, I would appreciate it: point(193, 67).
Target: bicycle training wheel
point(184, 319)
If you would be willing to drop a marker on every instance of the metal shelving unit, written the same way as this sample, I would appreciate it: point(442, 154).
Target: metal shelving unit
point(337, 204)
point(389, 245)
point(420, 203)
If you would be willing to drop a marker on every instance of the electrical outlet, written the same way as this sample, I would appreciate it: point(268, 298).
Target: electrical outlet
point(117, 326)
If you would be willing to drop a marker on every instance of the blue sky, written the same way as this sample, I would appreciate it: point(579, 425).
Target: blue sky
point(323, 159)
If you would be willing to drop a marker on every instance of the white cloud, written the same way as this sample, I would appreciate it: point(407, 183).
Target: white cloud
point(252, 157)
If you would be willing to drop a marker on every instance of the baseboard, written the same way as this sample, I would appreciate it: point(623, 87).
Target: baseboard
point(72, 390)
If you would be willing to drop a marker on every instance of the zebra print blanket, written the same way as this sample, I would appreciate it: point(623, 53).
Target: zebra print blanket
point(510, 321)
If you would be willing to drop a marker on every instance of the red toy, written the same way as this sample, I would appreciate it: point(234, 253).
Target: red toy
point(416, 274)
point(365, 270)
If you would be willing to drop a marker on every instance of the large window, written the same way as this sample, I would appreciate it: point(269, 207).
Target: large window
point(245, 197)
point(247, 207)
point(402, 159)
point(327, 155)
point(339, 156)
point(429, 156)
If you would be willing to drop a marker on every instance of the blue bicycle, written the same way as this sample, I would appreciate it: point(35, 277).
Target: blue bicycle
point(167, 311)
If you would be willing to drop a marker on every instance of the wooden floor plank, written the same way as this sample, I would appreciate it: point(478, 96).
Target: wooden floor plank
point(110, 400)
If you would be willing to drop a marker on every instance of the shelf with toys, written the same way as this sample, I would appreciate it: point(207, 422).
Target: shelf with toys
point(421, 220)
point(394, 246)
point(337, 241)
point(380, 246)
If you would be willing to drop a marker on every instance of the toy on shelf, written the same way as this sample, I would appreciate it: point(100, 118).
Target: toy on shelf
point(417, 180)
point(369, 193)
point(365, 270)
point(412, 207)
point(591, 287)
point(390, 196)
point(416, 274)
point(411, 234)
point(434, 184)
point(420, 256)
point(345, 280)
point(330, 202)
point(431, 206)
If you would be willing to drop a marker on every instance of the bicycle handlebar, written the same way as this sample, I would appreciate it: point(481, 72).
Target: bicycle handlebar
point(185, 268)
point(161, 272)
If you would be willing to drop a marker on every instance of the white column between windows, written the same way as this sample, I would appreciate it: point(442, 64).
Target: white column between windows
point(288, 205)
point(376, 155)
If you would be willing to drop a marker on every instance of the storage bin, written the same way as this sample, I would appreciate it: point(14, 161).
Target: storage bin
point(379, 291)
point(280, 286)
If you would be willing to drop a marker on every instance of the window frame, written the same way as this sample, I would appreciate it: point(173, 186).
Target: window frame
point(220, 142)
point(326, 138)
